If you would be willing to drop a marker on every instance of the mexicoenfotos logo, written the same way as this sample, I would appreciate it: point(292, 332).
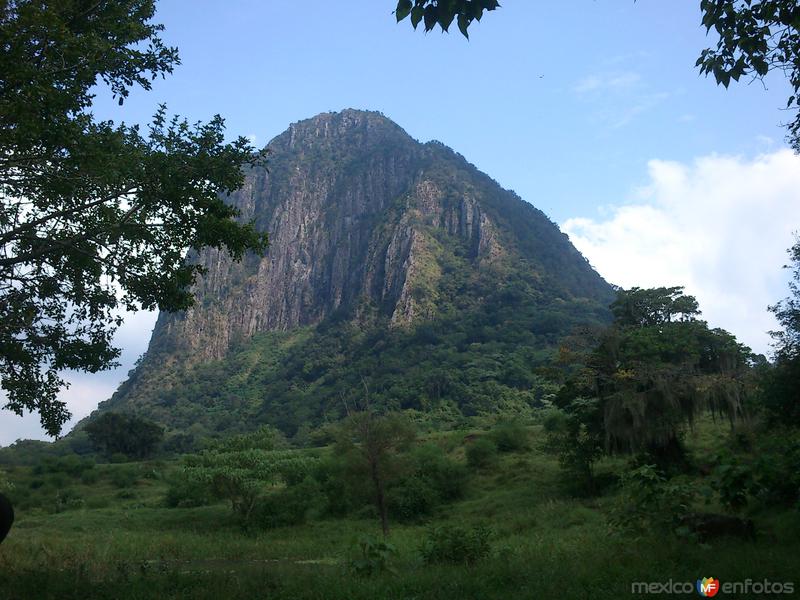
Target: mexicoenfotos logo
point(707, 587)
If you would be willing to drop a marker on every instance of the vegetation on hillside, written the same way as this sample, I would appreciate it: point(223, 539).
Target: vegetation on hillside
point(624, 459)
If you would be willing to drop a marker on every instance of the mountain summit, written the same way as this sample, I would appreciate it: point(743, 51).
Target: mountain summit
point(391, 262)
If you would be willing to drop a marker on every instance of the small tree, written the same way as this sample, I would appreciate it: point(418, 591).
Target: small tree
point(575, 435)
point(244, 469)
point(370, 444)
point(133, 436)
point(781, 390)
point(655, 374)
point(657, 367)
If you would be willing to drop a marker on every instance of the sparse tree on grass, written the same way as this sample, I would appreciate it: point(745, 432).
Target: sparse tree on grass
point(370, 444)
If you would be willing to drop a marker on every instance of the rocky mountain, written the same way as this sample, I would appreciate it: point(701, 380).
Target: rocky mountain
point(392, 263)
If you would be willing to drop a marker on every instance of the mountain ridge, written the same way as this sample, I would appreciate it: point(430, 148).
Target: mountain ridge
point(376, 230)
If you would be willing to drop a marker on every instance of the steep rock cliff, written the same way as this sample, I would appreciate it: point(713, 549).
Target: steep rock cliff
point(370, 227)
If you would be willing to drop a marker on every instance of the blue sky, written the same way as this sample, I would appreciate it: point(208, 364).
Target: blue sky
point(564, 102)
point(591, 110)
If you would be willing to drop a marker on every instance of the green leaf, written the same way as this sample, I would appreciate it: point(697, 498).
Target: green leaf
point(446, 19)
point(431, 17)
point(463, 24)
point(403, 9)
point(416, 15)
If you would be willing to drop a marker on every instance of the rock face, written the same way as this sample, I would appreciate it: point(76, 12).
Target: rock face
point(348, 201)
point(359, 216)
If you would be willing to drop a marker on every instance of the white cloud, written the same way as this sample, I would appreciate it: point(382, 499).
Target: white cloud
point(607, 81)
point(720, 226)
point(617, 97)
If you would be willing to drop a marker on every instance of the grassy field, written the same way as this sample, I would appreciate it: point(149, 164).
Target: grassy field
point(113, 537)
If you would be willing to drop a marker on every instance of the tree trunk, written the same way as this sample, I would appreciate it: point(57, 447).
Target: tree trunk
point(6, 516)
point(380, 499)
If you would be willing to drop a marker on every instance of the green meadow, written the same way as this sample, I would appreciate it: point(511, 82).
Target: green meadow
point(108, 533)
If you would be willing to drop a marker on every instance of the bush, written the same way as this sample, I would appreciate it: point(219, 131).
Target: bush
point(90, 477)
point(294, 472)
point(6, 487)
point(124, 477)
point(331, 475)
point(572, 435)
point(118, 433)
point(412, 498)
point(481, 452)
point(187, 492)
point(374, 556)
point(72, 465)
point(263, 438)
point(733, 481)
point(446, 476)
point(433, 478)
point(58, 480)
point(290, 506)
point(67, 499)
point(510, 436)
point(651, 503)
point(778, 469)
point(458, 545)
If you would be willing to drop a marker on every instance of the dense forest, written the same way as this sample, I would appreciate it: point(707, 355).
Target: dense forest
point(376, 373)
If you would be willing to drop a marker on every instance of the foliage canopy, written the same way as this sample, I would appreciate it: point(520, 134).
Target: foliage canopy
point(755, 37)
point(117, 433)
point(443, 12)
point(652, 374)
point(782, 393)
point(95, 217)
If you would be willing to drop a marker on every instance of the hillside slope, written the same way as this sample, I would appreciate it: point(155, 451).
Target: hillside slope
point(392, 263)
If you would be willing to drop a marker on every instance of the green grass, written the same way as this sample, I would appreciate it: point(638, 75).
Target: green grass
point(545, 544)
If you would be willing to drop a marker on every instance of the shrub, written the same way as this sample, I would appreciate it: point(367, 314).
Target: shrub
point(72, 465)
point(481, 453)
point(373, 557)
point(340, 499)
point(446, 476)
point(458, 545)
point(510, 436)
point(244, 477)
point(778, 470)
point(295, 471)
point(6, 487)
point(58, 480)
point(90, 477)
point(180, 443)
point(124, 477)
point(95, 503)
point(650, 502)
point(290, 506)
point(118, 433)
point(412, 498)
point(733, 481)
point(263, 438)
point(67, 499)
point(572, 435)
point(187, 492)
